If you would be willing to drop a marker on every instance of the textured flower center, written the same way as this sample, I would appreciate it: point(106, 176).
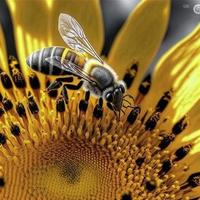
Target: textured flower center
point(52, 149)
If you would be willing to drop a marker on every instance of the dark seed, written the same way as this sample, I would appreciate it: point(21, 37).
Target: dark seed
point(34, 81)
point(6, 81)
point(194, 180)
point(150, 186)
point(151, 123)
point(7, 104)
point(163, 102)
point(140, 161)
point(98, 111)
point(166, 166)
point(15, 130)
point(2, 182)
point(182, 152)
point(87, 96)
point(32, 105)
point(133, 114)
point(145, 85)
point(165, 142)
point(179, 126)
point(21, 110)
point(2, 139)
point(126, 197)
point(83, 105)
point(19, 80)
point(60, 105)
point(1, 111)
point(1, 97)
point(130, 75)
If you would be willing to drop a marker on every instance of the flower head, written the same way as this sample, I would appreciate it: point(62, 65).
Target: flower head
point(51, 148)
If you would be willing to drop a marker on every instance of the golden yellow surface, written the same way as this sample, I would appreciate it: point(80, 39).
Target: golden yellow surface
point(140, 38)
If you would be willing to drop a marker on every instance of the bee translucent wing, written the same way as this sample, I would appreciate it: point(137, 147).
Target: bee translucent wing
point(70, 67)
point(74, 36)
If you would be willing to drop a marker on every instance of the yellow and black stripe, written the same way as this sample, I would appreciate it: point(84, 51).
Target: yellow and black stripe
point(37, 61)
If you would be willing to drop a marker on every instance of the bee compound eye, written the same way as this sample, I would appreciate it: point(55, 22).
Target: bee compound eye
point(122, 89)
point(109, 97)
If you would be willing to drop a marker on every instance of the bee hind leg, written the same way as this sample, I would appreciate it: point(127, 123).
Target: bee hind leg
point(65, 94)
point(74, 87)
point(58, 83)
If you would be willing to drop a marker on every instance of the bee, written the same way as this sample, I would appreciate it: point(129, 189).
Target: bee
point(95, 75)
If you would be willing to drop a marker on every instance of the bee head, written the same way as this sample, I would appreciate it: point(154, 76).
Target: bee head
point(114, 96)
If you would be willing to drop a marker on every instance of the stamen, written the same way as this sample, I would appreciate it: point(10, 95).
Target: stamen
point(32, 105)
point(98, 110)
point(179, 126)
point(15, 130)
point(126, 197)
point(163, 102)
point(165, 141)
point(7, 104)
point(182, 152)
point(18, 79)
point(34, 82)
point(6, 81)
point(130, 75)
point(1, 111)
point(2, 182)
point(143, 89)
point(2, 139)
point(60, 104)
point(151, 123)
point(124, 160)
point(133, 114)
point(21, 110)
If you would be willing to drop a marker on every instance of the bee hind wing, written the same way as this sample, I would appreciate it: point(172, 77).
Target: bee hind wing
point(70, 67)
point(56, 61)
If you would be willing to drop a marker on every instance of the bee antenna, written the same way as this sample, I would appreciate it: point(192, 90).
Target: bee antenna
point(130, 96)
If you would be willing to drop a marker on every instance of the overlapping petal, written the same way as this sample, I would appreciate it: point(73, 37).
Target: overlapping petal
point(140, 37)
point(179, 69)
point(3, 63)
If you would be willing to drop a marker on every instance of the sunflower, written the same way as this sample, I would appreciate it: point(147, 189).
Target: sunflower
point(52, 149)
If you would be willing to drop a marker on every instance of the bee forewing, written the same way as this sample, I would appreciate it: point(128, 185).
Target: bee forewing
point(74, 36)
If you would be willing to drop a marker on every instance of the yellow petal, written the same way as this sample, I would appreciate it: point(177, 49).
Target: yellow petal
point(3, 57)
point(140, 37)
point(179, 69)
point(36, 23)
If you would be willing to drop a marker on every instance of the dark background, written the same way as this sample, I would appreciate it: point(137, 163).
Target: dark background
point(115, 12)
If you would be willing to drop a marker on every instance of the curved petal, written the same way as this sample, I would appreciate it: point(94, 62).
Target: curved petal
point(140, 37)
point(179, 69)
point(3, 59)
point(35, 23)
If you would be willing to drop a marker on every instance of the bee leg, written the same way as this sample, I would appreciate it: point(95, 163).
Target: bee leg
point(87, 96)
point(64, 94)
point(54, 85)
point(74, 87)
point(111, 107)
point(58, 83)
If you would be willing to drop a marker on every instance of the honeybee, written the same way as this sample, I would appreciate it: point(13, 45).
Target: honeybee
point(95, 75)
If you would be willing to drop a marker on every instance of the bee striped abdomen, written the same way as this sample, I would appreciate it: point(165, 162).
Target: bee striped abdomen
point(74, 58)
point(37, 61)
